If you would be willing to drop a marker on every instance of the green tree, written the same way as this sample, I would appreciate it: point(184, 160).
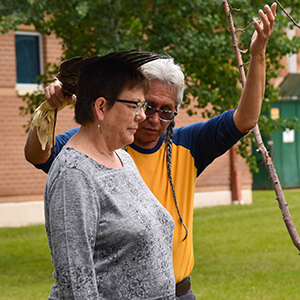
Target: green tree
point(194, 32)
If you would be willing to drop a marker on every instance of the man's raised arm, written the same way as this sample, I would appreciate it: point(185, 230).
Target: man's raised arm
point(33, 150)
point(248, 111)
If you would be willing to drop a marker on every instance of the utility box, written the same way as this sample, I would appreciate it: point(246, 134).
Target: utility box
point(283, 146)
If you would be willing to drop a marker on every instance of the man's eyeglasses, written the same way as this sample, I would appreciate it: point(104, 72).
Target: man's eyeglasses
point(139, 105)
point(164, 115)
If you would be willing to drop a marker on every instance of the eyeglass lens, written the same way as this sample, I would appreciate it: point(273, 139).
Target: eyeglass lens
point(140, 106)
point(164, 115)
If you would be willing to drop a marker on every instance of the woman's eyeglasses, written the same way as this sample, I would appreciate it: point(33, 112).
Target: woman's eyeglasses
point(139, 105)
point(164, 115)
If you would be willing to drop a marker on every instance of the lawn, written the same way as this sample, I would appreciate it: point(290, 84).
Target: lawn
point(241, 252)
point(245, 252)
point(25, 264)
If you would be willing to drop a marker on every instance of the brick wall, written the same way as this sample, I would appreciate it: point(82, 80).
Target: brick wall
point(217, 175)
point(19, 181)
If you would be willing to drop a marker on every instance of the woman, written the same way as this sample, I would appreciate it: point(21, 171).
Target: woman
point(109, 236)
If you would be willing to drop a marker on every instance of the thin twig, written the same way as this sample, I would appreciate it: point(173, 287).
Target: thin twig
point(243, 51)
point(261, 148)
point(244, 29)
point(295, 23)
point(232, 8)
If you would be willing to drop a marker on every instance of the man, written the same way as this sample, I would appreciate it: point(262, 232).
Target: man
point(170, 161)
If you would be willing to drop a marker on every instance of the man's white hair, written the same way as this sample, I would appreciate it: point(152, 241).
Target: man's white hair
point(167, 72)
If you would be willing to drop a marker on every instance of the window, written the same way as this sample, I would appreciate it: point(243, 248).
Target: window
point(28, 58)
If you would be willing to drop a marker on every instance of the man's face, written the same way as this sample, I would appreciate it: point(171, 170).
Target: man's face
point(160, 96)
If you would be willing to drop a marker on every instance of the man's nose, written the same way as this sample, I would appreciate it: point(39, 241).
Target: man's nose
point(154, 118)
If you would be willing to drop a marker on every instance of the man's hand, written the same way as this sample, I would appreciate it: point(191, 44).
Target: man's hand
point(35, 151)
point(263, 30)
point(54, 95)
point(247, 114)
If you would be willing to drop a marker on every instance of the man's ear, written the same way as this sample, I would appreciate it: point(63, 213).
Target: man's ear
point(100, 108)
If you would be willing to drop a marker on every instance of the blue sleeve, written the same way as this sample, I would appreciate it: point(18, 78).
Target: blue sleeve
point(208, 140)
point(60, 141)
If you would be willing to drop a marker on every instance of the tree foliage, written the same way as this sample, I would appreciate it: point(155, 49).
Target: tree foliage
point(194, 32)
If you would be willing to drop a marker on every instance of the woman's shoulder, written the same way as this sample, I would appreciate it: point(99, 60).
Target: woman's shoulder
point(124, 157)
point(68, 158)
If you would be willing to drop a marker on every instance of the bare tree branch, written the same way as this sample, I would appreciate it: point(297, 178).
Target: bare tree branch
point(295, 23)
point(259, 142)
point(244, 29)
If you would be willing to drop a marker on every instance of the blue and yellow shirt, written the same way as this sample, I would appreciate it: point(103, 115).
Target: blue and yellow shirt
point(194, 147)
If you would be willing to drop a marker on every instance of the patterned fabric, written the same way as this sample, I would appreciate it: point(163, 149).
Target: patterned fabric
point(194, 147)
point(109, 236)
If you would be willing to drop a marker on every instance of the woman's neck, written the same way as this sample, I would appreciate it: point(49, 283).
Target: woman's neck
point(89, 141)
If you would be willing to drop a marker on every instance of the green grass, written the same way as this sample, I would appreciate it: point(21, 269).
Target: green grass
point(245, 251)
point(25, 263)
point(241, 252)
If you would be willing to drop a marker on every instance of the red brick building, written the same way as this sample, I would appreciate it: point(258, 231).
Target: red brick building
point(21, 185)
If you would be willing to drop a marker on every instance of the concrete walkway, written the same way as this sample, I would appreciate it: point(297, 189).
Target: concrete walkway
point(16, 214)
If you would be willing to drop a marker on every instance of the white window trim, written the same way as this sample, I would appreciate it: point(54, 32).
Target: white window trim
point(23, 88)
point(291, 58)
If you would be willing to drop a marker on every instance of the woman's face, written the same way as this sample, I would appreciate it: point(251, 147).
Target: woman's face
point(121, 122)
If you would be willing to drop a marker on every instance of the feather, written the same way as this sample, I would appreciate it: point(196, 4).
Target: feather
point(70, 70)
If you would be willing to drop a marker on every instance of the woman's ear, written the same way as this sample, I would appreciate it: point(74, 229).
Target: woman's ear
point(100, 108)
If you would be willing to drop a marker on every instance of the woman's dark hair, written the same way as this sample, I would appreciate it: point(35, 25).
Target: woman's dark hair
point(103, 76)
point(106, 79)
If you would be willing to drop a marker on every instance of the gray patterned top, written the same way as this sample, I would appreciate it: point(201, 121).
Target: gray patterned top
point(109, 237)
